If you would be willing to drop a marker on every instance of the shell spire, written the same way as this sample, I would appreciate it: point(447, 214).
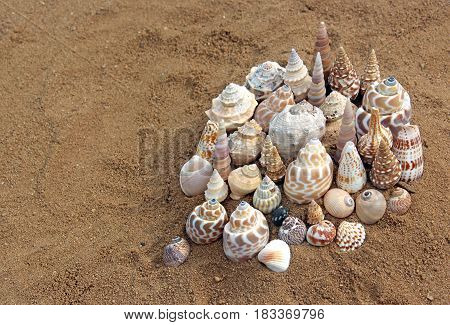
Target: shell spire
point(266, 151)
point(222, 159)
point(275, 167)
point(267, 196)
point(386, 170)
point(246, 143)
point(297, 76)
point(347, 131)
point(316, 93)
point(217, 189)
point(371, 72)
point(351, 175)
point(322, 46)
point(207, 144)
point(315, 213)
point(343, 77)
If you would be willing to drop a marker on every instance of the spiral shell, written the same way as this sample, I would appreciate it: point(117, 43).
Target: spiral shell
point(316, 92)
point(243, 181)
point(343, 77)
point(347, 131)
point(321, 234)
point(386, 169)
point(350, 236)
point(371, 73)
point(276, 255)
point(315, 213)
point(322, 46)
point(338, 203)
point(407, 148)
point(195, 175)
point(222, 159)
point(334, 106)
point(292, 231)
point(217, 189)
point(246, 143)
point(297, 76)
point(207, 144)
point(176, 252)
point(275, 168)
point(279, 215)
point(267, 196)
point(264, 79)
point(351, 175)
point(399, 201)
point(370, 206)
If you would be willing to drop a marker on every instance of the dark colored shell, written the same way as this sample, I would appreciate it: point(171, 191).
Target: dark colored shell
point(293, 231)
point(278, 215)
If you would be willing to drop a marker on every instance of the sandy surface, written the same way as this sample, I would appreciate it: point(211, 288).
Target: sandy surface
point(88, 198)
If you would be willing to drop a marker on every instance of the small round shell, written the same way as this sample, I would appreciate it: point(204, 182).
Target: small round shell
point(321, 234)
point(339, 203)
point(292, 231)
point(350, 235)
point(279, 215)
point(176, 252)
point(370, 206)
point(400, 201)
point(276, 255)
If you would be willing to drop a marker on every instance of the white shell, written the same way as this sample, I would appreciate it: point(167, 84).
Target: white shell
point(334, 106)
point(217, 188)
point(267, 196)
point(276, 255)
point(297, 76)
point(194, 176)
point(351, 175)
point(264, 79)
point(338, 203)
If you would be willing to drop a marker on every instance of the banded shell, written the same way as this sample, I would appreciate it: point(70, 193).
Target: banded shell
point(399, 201)
point(205, 224)
point(347, 131)
point(370, 206)
point(322, 46)
point(195, 175)
point(243, 181)
point(371, 72)
point(246, 233)
point(316, 92)
point(292, 231)
point(264, 79)
point(315, 213)
point(207, 144)
point(266, 151)
point(246, 143)
point(334, 106)
point(176, 252)
point(338, 203)
point(217, 189)
point(297, 76)
point(351, 175)
point(275, 167)
point(222, 159)
point(386, 169)
point(279, 215)
point(407, 148)
point(276, 255)
point(343, 77)
point(321, 234)
point(350, 236)
point(267, 196)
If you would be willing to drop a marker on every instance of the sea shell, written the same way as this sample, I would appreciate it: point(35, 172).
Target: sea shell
point(205, 224)
point(276, 255)
point(347, 131)
point(322, 45)
point(338, 203)
point(266, 151)
point(267, 196)
point(368, 144)
point(350, 236)
point(217, 189)
point(274, 104)
point(315, 213)
point(321, 234)
point(235, 106)
point(407, 148)
point(291, 129)
point(246, 143)
point(310, 175)
point(292, 231)
point(195, 175)
point(316, 92)
point(207, 144)
point(334, 106)
point(399, 201)
point(275, 167)
point(222, 159)
point(279, 215)
point(343, 77)
point(246, 233)
point(264, 79)
point(351, 175)
point(176, 252)
point(243, 181)
point(371, 72)
point(386, 169)
point(370, 206)
point(297, 76)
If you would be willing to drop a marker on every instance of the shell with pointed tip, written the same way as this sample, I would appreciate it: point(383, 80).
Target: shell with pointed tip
point(275, 167)
point(176, 252)
point(246, 143)
point(235, 106)
point(276, 255)
point(246, 233)
point(399, 201)
point(347, 130)
point(407, 148)
point(207, 144)
point(291, 129)
point(370, 206)
point(222, 159)
point(264, 79)
point(371, 72)
point(217, 189)
point(297, 76)
point(321, 234)
point(292, 231)
point(322, 45)
point(351, 175)
point(350, 236)
point(315, 213)
point(316, 92)
point(343, 77)
point(195, 175)
point(243, 181)
point(309, 176)
point(274, 104)
point(338, 203)
point(386, 169)
point(334, 106)
point(267, 196)
point(266, 151)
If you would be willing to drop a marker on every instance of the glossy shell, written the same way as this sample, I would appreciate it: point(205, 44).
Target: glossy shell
point(195, 175)
point(338, 203)
point(292, 231)
point(297, 76)
point(176, 252)
point(334, 106)
point(246, 143)
point(370, 206)
point(350, 236)
point(279, 215)
point(267, 196)
point(317, 91)
point(322, 46)
point(351, 175)
point(243, 181)
point(264, 79)
point(276, 255)
point(399, 201)
point(407, 148)
point(321, 234)
point(217, 188)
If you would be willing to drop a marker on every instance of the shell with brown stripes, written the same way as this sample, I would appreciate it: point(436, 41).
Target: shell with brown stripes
point(351, 175)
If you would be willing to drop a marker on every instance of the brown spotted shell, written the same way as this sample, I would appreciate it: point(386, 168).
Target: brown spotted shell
point(321, 234)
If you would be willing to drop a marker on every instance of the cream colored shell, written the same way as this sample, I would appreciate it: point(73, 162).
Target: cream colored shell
point(339, 203)
point(243, 181)
point(217, 188)
point(267, 196)
point(276, 255)
point(195, 175)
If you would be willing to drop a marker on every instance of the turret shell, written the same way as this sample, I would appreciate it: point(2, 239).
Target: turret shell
point(315, 213)
point(297, 76)
point(217, 188)
point(351, 175)
point(264, 79)
point(267, 196)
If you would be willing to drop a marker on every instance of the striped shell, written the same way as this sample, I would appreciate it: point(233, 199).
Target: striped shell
point(267, 196)
point(371, 73)
point(316, 93)
point(195, 175)
point(217, 188)
point(292, 231)
point(399, 201)
point(334, 106)
point(243, 181)
point(246, 143)
point(176, 252)
point(264, 79)
point(321, 234)
point(407, 148)
point(322, 45)
point(386, 169)
point(338, 203)
point(276, 255)
point(275, 167)
point(207, 144)
point(347, 130)
point(351, 175)
point(315, 213)
point(343, 77)
point(370, 206)
point(222, 159)
point(350, 236)
point(297, 76)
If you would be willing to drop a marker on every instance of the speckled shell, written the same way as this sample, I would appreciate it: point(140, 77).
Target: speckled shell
point(291, 129)
point(276, 255)
point(399, 201)
point(407, 148)
point(264, 79)
point(205, 224)
point(279, 215)
point(235, 106)
point(315, 213)
point(338, 203)
point(222, 159)
point(292, 231)
point(275, 167)
point(334, 106)
point(297, 76)
point(386, 169)
point(371, 72)
point(246, 143)
point(309, 176)
point(347, 131)
point(195, 175)
point(370, 206)
point(321, 234)
point(217, 188)
point(267, 196)
point(316, 92)
point(243, 181)
point(343, 77)
point(350, 236)
point(274, 104)
point(207, 144)
point(176, 252)
point(266, 151)
point(351, 175)
point(246, 233)
point(322, 45)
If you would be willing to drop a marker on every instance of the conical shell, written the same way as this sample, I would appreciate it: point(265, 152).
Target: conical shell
point(350, 236)
point(195, 175)
point(371, 72)
point(386, 169)
point(246, 143)
point(266, 151)
point(399, 201)
point(321, 234)
point(347, 131)
point(315, 213)
point(222, 159)
point(297, 76)
point(316, 93)
point(246, 233)
point(343, 77)
point(309, 176)
point(176, 252)
point(338, 203)
point(292, 231)
point(370, 206)
point(207, 144)
point(276, 255)
point(322, 46)
point(217, 189)
point(351, 175)
point(275, 167)
point(334, 106)
point(243, 181)
point(267, 196)
point(264, 79)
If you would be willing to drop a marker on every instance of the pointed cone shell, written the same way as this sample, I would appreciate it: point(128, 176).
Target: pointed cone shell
point(386, 170)
point(276, 255)
point(322, 46)
point(370, 206)
point(334, 106)
point(350, 236)
point(195, 175)
point(347, 131)
point(217, 189)
point(275, 167)
point(316, 93)
point(315, 213)
point(266, 151)
point(338, 203)
point(222, 159)
point(292, 231)
point(399, 201)
point(176, 252)
point(243, 181)
point(321, 234)
point(264, 79)
point(351, 175)
point(246, 143)
point(267, 196)
point(343, 77)
point(207, 144)
point(297, 76)
point(371, 72)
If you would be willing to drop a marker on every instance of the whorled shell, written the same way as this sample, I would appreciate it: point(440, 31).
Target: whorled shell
point(351, 175)
point(291, 129)
point(322, 46)
point(350, 235)
point(235, 106)
point(266, 151)
point(399, 201)
point(217, 188)
point(276, 255)
point(338, 203)
point(317, 91)
point(205, 224)
point(243, 181)
point(267, 196)
point(207, 144)
point(297, 76)
point(279, 215)
point(309, 176)
point(343, 77)
point(245, 234)
point(264, 79)
point(292, 231)
point(386, 170)
point(222, 159)
point(321, 234)
point(314, 214)
point(334, 106)
point(275, 167)
point(371, 72)
point(176, 252)
point(195, 175)
point(274, 104)
point(347, 130)
point(246, 143)
point(370, 206)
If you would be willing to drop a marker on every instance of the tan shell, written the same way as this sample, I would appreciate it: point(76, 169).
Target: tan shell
point(195, 175)
point(322, 46)
point(370, 206)
point(334, 106)
point(243, 181)
point(264, 79)
point(351, 175)
point(338, 203)
point(347, 131)
point(316, 92)
point(267, 196)
point(371, 72)
point(350, 236)
point(207, 144)
point(399, 201)
point(297, 76)
point(386, 169)
point(275, 167)
point(176, 252)
point(266, 151)
point(276, 255)
point(343, 77)
point(315, 213)
point(222, 159)
point(246, 143)
point(217, 188)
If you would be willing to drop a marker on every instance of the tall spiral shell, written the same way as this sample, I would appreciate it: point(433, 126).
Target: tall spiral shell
point(297, 76)
point(292, 231)
point(243, 181)
point(195, 175)
point(321, 234)
point(276, 255)
point(386, 169)
point(322, 46)
point(264, 79)
point(246, 143)
point(217, 189)
point(207, 144)
point(371, 72)
point(275, 167)
point(316, 93)
point(399, 201)
point(334, 106)
point(176, 252)
point(347, 131)
point(350, 236)
point(245, 234)
point(266, 151)
point(222, 159)
point(267, 196)
point(343, 77)
point(351, 175)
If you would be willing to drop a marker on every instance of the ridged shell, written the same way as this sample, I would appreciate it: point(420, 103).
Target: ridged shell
point(275, 167)
point(399, 201)
point(321, 234)
point(343, 77)
point(207, 144)
point(246, 233)
point(297, 76)
point(176, 252)
point(386, 170)
point(371, 72)
point(338, 203)
point(334, 106)
point(370, 206)
point(292, 231)
point(350, 236)
point(264, 79)
point(276, 255)
point(195, 175)
point(267, 196)
point(217, 188)
point(351, 175)
point(222, 159)
point(347, 131)
point(279, 215)
point(266, 151)
point(246, 143)
point(315, 213)
point(316, 92)
point(322, 46)
point(243, 181)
